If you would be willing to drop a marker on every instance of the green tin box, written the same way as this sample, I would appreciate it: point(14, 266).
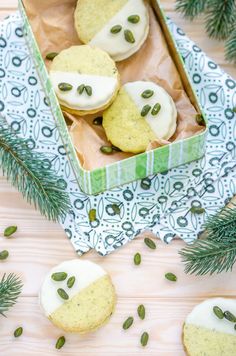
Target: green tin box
point(137, 167)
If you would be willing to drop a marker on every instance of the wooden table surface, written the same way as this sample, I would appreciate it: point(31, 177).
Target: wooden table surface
point(38, 245)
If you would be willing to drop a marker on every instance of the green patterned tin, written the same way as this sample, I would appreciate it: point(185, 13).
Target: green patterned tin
point(136, 167)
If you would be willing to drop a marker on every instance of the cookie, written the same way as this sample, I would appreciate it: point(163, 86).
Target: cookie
point(119, 27)
point(85, 79)
point(89, 300)
point(142, 112)
point(206, 334)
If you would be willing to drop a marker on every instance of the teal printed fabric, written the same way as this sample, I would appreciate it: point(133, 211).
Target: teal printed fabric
point(160, 203)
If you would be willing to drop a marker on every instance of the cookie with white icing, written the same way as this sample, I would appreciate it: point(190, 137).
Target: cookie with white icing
point(210, 333)
point(142, 112)
point(85, 79)
point(78, 296)
point(119, 27)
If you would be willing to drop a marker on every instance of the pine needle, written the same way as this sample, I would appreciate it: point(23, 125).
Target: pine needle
point(230, 47)
point(191, 8)
point(10, 289)
point(206, 256)
point(26, 171)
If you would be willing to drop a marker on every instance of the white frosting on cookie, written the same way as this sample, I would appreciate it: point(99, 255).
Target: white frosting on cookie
point(115, 44)
point(85, 273)
point(203, 316)
point(164, 123)
point(103, 89)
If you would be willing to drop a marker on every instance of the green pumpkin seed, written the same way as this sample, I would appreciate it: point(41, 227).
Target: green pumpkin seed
point(71, 282)
point(218, 312)
point(229, 316)
point(150, 243)
point(65, 86)
point(234, 109)
point(59, 276)
point(80, 89)
point(9, 231)
point(89, 90)
point(18, 332)
point(200, 120)
point(134, 18)
point(62, 293)
point(98, 121)
point(147, 94)
point(116, 29)
point(141, 311)
point(128, 322)
point(156, 109)
point(117, 149)
point(145, 110)
point(129, 36)
point(171, 277)
point(107, 150)
point(3, 255)
point(197, 210)
point(92, 215)
point(116, 209)
point(137, 259)
point(144, 339)
point(50, 56)
point(60, 342)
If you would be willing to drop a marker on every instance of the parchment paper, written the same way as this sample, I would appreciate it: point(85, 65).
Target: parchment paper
point(53, 25)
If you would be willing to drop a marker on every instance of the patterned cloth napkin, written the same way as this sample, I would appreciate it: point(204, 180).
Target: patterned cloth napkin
point(160, 203)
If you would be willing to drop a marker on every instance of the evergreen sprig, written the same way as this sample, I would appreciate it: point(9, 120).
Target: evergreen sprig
point(217, 252)
point(26, 170)
point(10, 289)
point(220, 20)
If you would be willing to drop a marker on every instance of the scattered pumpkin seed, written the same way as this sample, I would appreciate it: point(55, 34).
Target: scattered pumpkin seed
point(18, 332)
point(137, 259)
point(116, 209)
point(60, 342)
point(144, 339)
point(107, 150)
point(156, 109)
point(234, 109)
point(89, 90)
point(134, 18)
point(116, 29)
point(145, 110)
point(129, 36)
point(147, 94)
point(117, 149)
point(3, 255)
point(71, 282)
point(10, 230)
point(50, 56)
point(59, 276)
point(65, 86)
point(62, 293)
point(218, 312)
point(80, 89)
point(128, 322)
point(141, 311)
point(92, 215)
point(200, 120)
point(171, 277)
point(197, 210)
point(98, 121)
point(229, 316)
point(150, 243)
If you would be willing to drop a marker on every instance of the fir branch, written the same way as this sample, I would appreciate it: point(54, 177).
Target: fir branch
point(230, 47)
point(191, 8)
point(222, 227)
point(206, 256)
point(220, 18)
point(10, 289)
point(26, 171)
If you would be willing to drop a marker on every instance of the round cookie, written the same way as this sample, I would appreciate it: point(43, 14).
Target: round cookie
point(91, 299)
point(118, 27)
point(85, 79)
point(206, 334)
point(142, 112)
